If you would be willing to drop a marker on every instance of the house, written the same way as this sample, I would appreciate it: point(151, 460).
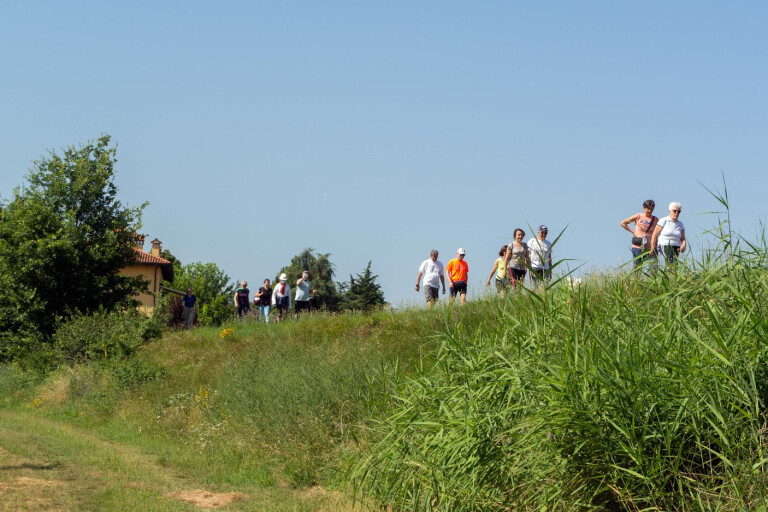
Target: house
point(151, 267)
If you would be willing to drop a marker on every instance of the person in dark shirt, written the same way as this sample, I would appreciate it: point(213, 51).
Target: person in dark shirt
point(265, 299)
point(188, 315)
point(242, 299)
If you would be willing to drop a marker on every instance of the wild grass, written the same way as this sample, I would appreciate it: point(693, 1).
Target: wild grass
point(627, 392)
point(630, 391)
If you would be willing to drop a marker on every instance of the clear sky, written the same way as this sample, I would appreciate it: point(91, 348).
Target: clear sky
point(380, 130)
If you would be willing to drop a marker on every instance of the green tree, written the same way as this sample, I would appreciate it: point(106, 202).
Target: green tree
point(64, 237)
point(212, 287)
point(362, 293)
point(321, 272)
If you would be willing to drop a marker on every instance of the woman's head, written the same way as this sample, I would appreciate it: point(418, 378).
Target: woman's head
point(674, 210)
point(266, 283)
point(519, 234)
point(649, 205)
point(503, 250)
point(243, 284)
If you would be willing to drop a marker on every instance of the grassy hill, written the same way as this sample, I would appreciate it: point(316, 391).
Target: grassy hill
point(627, 392)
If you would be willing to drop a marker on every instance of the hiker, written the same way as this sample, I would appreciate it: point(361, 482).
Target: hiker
point(434, 273)
point(540, 255)
point(188, 314)
point(669, 235)
point(303, 289)
point(264, 295)
point(457, 270)
point(645, 225)
point(517, 259)
point(242, 301)
point(500, 271)
point(281, 297)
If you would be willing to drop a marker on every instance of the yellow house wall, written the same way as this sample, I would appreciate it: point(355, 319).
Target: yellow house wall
point(154, 275)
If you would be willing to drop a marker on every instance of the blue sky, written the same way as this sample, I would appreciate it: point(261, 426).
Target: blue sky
point(380, 130)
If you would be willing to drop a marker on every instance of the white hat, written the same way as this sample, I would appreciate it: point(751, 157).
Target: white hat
point(461, 251)
point(283, 277)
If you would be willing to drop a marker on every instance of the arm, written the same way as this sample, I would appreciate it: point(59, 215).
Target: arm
point(629, 220)
point(493, 271)
point(683, 242)
point(655, 238)
point(234, 299)
point(442, 280)
point(299, 281)
point(418, 280)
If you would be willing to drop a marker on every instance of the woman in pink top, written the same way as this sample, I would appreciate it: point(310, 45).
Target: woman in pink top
point(645, 223)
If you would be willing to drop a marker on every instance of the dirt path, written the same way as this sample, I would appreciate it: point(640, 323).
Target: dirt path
point(50, 466)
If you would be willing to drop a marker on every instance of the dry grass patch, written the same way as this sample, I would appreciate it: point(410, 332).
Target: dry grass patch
point(206, 499)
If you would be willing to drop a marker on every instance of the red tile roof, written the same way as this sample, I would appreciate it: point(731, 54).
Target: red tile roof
point(144, 258)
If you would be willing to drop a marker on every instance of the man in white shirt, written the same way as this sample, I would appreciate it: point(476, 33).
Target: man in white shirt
point(540, 250)
point(434, 273)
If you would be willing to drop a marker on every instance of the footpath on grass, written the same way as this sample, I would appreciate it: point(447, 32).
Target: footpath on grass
point(46, 465)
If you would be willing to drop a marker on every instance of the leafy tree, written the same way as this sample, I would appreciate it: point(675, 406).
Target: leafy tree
point(362, 293)
point(64, 237)
point(211, 286)
point(321, 273)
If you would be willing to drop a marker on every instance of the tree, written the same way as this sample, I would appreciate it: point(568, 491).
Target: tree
point(321, 273)
point(64, 237)
point(210, 285)
point(362, 293)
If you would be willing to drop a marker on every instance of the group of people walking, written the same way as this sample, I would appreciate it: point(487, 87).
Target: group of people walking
point(264, 300)
point(514, 261)
point(509, 269)
point(278, 297)
point(651, 236)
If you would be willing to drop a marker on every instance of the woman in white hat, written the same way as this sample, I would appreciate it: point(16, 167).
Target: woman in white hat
point(281, 297)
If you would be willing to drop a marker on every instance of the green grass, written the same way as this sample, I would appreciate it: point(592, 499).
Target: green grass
point(628, 392)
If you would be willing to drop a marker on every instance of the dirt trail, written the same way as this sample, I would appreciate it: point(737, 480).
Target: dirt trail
point(46, 465)
point(50, 466)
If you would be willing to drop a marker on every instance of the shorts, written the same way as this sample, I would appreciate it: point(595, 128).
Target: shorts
point(459, 287)
point(517, 274)
point(501, 284)
point(282, 303)
point(539, 274)
point(431, 293)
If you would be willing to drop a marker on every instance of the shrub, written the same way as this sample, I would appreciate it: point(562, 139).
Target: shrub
point(103, 335)
point(136, 373)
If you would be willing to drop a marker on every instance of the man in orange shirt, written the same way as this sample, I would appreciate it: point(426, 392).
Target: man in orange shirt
point(457, 270)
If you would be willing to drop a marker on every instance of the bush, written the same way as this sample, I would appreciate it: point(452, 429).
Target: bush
point(136, 373)
point(103, 336)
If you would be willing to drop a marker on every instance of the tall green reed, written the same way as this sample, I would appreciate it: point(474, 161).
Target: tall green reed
point(628, 392)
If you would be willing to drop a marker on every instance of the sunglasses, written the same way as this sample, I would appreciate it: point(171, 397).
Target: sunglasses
point(676, 211)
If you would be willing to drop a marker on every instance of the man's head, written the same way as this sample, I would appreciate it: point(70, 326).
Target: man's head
point(543, 232)
point(305, 274)
point(189, 291)
point(460, 253)
point(266, 283)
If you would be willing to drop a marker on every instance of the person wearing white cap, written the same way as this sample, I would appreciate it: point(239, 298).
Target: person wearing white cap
point(281, 297)
point(434, 274)
point(457, 270)
point(540, 254)
point(669, 235)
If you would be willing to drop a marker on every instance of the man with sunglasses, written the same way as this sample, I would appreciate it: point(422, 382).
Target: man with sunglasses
point(669, 235)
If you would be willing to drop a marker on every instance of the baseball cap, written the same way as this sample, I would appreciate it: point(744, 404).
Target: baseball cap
point(543, 228)
point(461, 251)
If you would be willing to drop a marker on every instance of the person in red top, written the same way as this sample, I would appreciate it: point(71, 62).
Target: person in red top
point(457, 270)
